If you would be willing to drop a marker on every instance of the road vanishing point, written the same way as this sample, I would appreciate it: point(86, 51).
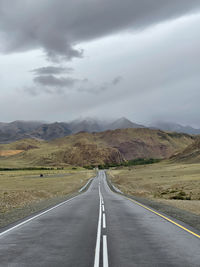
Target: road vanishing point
point(99, 228)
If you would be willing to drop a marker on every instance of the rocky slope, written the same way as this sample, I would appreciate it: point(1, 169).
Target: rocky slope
point(191, 154)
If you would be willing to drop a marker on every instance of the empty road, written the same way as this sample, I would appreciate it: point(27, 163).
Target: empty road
point(98, 228)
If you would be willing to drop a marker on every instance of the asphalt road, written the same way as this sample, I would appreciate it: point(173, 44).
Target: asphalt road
point(98, 228)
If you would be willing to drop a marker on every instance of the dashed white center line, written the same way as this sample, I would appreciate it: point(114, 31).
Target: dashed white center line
point(105, 251)
point(98, 241)
point(104, 220)
point(103, 209)
point(101, 224)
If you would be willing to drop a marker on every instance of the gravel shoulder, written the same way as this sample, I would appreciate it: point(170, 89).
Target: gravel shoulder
point(18, 214)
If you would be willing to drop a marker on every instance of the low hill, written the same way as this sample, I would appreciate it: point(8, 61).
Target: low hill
point(191, 154)
point(97, 148)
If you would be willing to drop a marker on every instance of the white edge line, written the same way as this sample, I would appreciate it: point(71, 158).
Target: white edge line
point(36, 216)
point(98, 241)
point(85, 185)
point(105, 251)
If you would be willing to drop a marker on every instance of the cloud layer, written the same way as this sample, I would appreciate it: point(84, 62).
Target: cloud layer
point(58, 26)
point(122, 65)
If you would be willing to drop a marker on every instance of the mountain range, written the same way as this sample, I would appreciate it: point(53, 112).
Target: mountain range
point(10, 132)
point(17, 130)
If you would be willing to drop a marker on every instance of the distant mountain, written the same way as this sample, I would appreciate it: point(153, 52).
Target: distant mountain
point(51, 131)
point(17, 130)
point(20, 126)
point(86, 125)
point(175, 127)
point(95, 148)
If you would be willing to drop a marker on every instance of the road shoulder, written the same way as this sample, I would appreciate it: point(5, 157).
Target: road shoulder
point(186, 217)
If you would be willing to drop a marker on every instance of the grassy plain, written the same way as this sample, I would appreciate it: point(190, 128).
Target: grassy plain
point(21, 188)
point(172, 184)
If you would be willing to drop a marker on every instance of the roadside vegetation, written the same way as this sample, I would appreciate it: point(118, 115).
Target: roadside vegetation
point(173, 184)
point(133, 162)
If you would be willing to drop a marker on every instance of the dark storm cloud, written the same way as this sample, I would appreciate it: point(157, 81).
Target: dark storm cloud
point(51, 70)
point(58, 26)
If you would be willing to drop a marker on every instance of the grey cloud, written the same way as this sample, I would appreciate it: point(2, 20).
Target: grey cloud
point(52, 84)
point(35, 90)
point(58, 26)
point(52, 81)
point(117, 80)
point(88, 87)
point(51, 70)
point(92, 89)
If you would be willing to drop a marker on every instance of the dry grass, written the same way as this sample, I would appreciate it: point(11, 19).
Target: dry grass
point(173, 184)
point(20, 188)
point(192, 206)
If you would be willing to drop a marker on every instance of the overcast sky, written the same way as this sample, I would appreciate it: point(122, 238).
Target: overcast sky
point(64, 59)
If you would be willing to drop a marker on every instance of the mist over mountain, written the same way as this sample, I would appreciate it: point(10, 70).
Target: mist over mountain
point(123, 123)
point(17, 130)
point(174, 127)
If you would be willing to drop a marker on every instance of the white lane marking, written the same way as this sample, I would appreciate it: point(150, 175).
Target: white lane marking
point(103, 209)
point(98, 241)
point(104, 220)
point(83, 188)
point(105, 251)
point(36, 216)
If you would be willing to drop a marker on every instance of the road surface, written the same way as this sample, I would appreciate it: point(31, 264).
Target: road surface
point(98, 228)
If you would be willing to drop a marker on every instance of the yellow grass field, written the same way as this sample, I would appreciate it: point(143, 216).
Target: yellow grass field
point(173, 184)
point(20, 188)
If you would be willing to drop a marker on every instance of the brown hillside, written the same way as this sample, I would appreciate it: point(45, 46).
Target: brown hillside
point(191, 154)
point(99, 148)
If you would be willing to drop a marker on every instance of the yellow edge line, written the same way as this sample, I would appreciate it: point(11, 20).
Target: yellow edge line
point(164, 217)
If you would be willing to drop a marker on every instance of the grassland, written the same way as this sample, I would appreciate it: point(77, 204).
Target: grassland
point(19, 189)
point(177, 185)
